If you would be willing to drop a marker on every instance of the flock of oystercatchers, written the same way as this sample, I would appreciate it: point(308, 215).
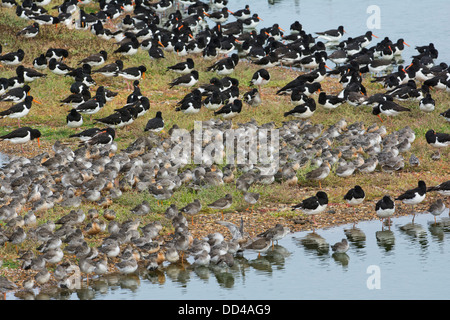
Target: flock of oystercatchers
point(140, 26)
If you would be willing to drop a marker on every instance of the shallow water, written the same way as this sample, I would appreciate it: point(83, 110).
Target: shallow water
point(417, 22)
point(409, 261)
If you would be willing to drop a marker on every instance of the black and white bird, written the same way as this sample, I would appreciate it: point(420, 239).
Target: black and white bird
point(355, 196)
point(21, 136)
point(442, 188)
point(303, 111)
point(389, 109)
point(414, 196)
point(74, 119)
point(110, 70)
point(230, 110)
point(18, 110)
point(385, 208)
point(260, 78)
point(184, 67)
point(332, 34)
point(427, 103)
point(59, 68)
point(12, 58)
point(118, 119)
point(103, 137)
point(30, 31)
point(86, 134)
point(313, 205)
point(129, 48)
point(437, 140)
point(28, 74)
point(225, 66)
point(96, 59)
point(155, 124)
point(186, 80)
point(330, 102)
point(93, 105)
point(16, 95)
point(133, 74)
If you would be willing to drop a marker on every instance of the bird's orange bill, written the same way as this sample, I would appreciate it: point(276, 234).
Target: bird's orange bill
point(280, 29)
point(36, 101)
point(406, 43)
point(260, 19)
point(328, 67)
point(374, 35)
point(39, 142)
point(408, 66)
point(160, 43)
point(230, 11)
point(143, 75)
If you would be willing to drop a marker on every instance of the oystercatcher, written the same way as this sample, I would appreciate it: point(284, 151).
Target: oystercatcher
point(186, 80)
point(427, 103)
point(230, 110)
point(252, 22)
point(442, 188)
point(332, 34)
point(93, 105)
point(96, 59)
point(110, 70)
point(225, 66)
point(28, 74)
point(75, 99)
point(18, 110)
point(16, 95)
point(437, 140)
point(213, 100)
point(155, 124)
point(40, 62)
point(59, 68)
point(355, 196)
point(242, 14)
point(260, 78)
point(86, 134)
point(313, 205)
point(184, 67)
point(303, 111)
point(446, 115)
point(103, 137)
point(46, 19)
point(330, 102)
point(128, 48)
point(74, 119)
point(30, 31)
point(12, 58)
point(190, 105)
point(22, 135)
point(414, 196)
point(117, 119)
point(58, 53)
point(388, 108)
point(385, 208)
point(133, 73)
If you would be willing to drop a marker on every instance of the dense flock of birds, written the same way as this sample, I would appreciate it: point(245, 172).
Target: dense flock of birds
point(97, 172)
